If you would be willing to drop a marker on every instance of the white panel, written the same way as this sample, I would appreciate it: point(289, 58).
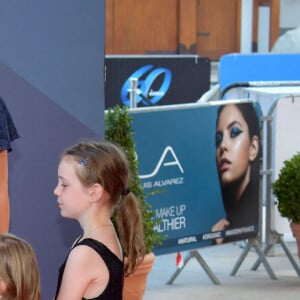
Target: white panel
point(287, 143)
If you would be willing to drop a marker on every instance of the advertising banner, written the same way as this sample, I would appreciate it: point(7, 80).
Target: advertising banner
point(184, 153)
point(162, 79)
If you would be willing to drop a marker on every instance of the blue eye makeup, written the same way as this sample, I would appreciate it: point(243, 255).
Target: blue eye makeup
point(235, 131)
point(219, 139)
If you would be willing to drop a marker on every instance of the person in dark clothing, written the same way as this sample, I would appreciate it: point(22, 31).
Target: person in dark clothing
point(237, 159)
point(8, 133)
point(93, 179)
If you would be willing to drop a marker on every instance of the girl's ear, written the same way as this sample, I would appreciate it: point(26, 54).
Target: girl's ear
point(254, 148)
point(96, 192)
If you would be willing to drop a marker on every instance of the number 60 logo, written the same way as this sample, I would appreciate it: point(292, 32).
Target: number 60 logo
point(146, 80)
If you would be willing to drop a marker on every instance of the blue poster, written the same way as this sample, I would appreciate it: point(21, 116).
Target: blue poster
point(177, 149)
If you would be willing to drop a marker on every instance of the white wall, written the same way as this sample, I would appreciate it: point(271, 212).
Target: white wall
point(263, 41)
point(246, 26)
point(289, 13)
point(289, 18)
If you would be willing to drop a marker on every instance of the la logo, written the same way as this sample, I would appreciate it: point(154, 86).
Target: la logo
point(163, 163)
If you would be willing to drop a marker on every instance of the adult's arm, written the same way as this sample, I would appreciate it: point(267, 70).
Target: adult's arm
point(4, 199)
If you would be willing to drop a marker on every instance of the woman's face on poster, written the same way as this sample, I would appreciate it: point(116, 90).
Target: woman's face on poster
point(234, 149)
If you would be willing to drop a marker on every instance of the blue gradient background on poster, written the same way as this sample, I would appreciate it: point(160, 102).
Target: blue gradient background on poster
point(192, 196)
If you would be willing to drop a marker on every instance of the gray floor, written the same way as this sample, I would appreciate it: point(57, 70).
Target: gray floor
point(194, 283)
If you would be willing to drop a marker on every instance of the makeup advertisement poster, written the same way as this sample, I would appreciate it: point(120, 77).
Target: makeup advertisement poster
point(195, 164)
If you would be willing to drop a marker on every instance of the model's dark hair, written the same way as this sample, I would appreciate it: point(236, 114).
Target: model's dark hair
point(240, 197)
point(106, 163)
point(250, 116)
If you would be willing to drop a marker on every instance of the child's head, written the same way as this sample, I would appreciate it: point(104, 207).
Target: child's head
point(103, 163)
point(19, 275)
